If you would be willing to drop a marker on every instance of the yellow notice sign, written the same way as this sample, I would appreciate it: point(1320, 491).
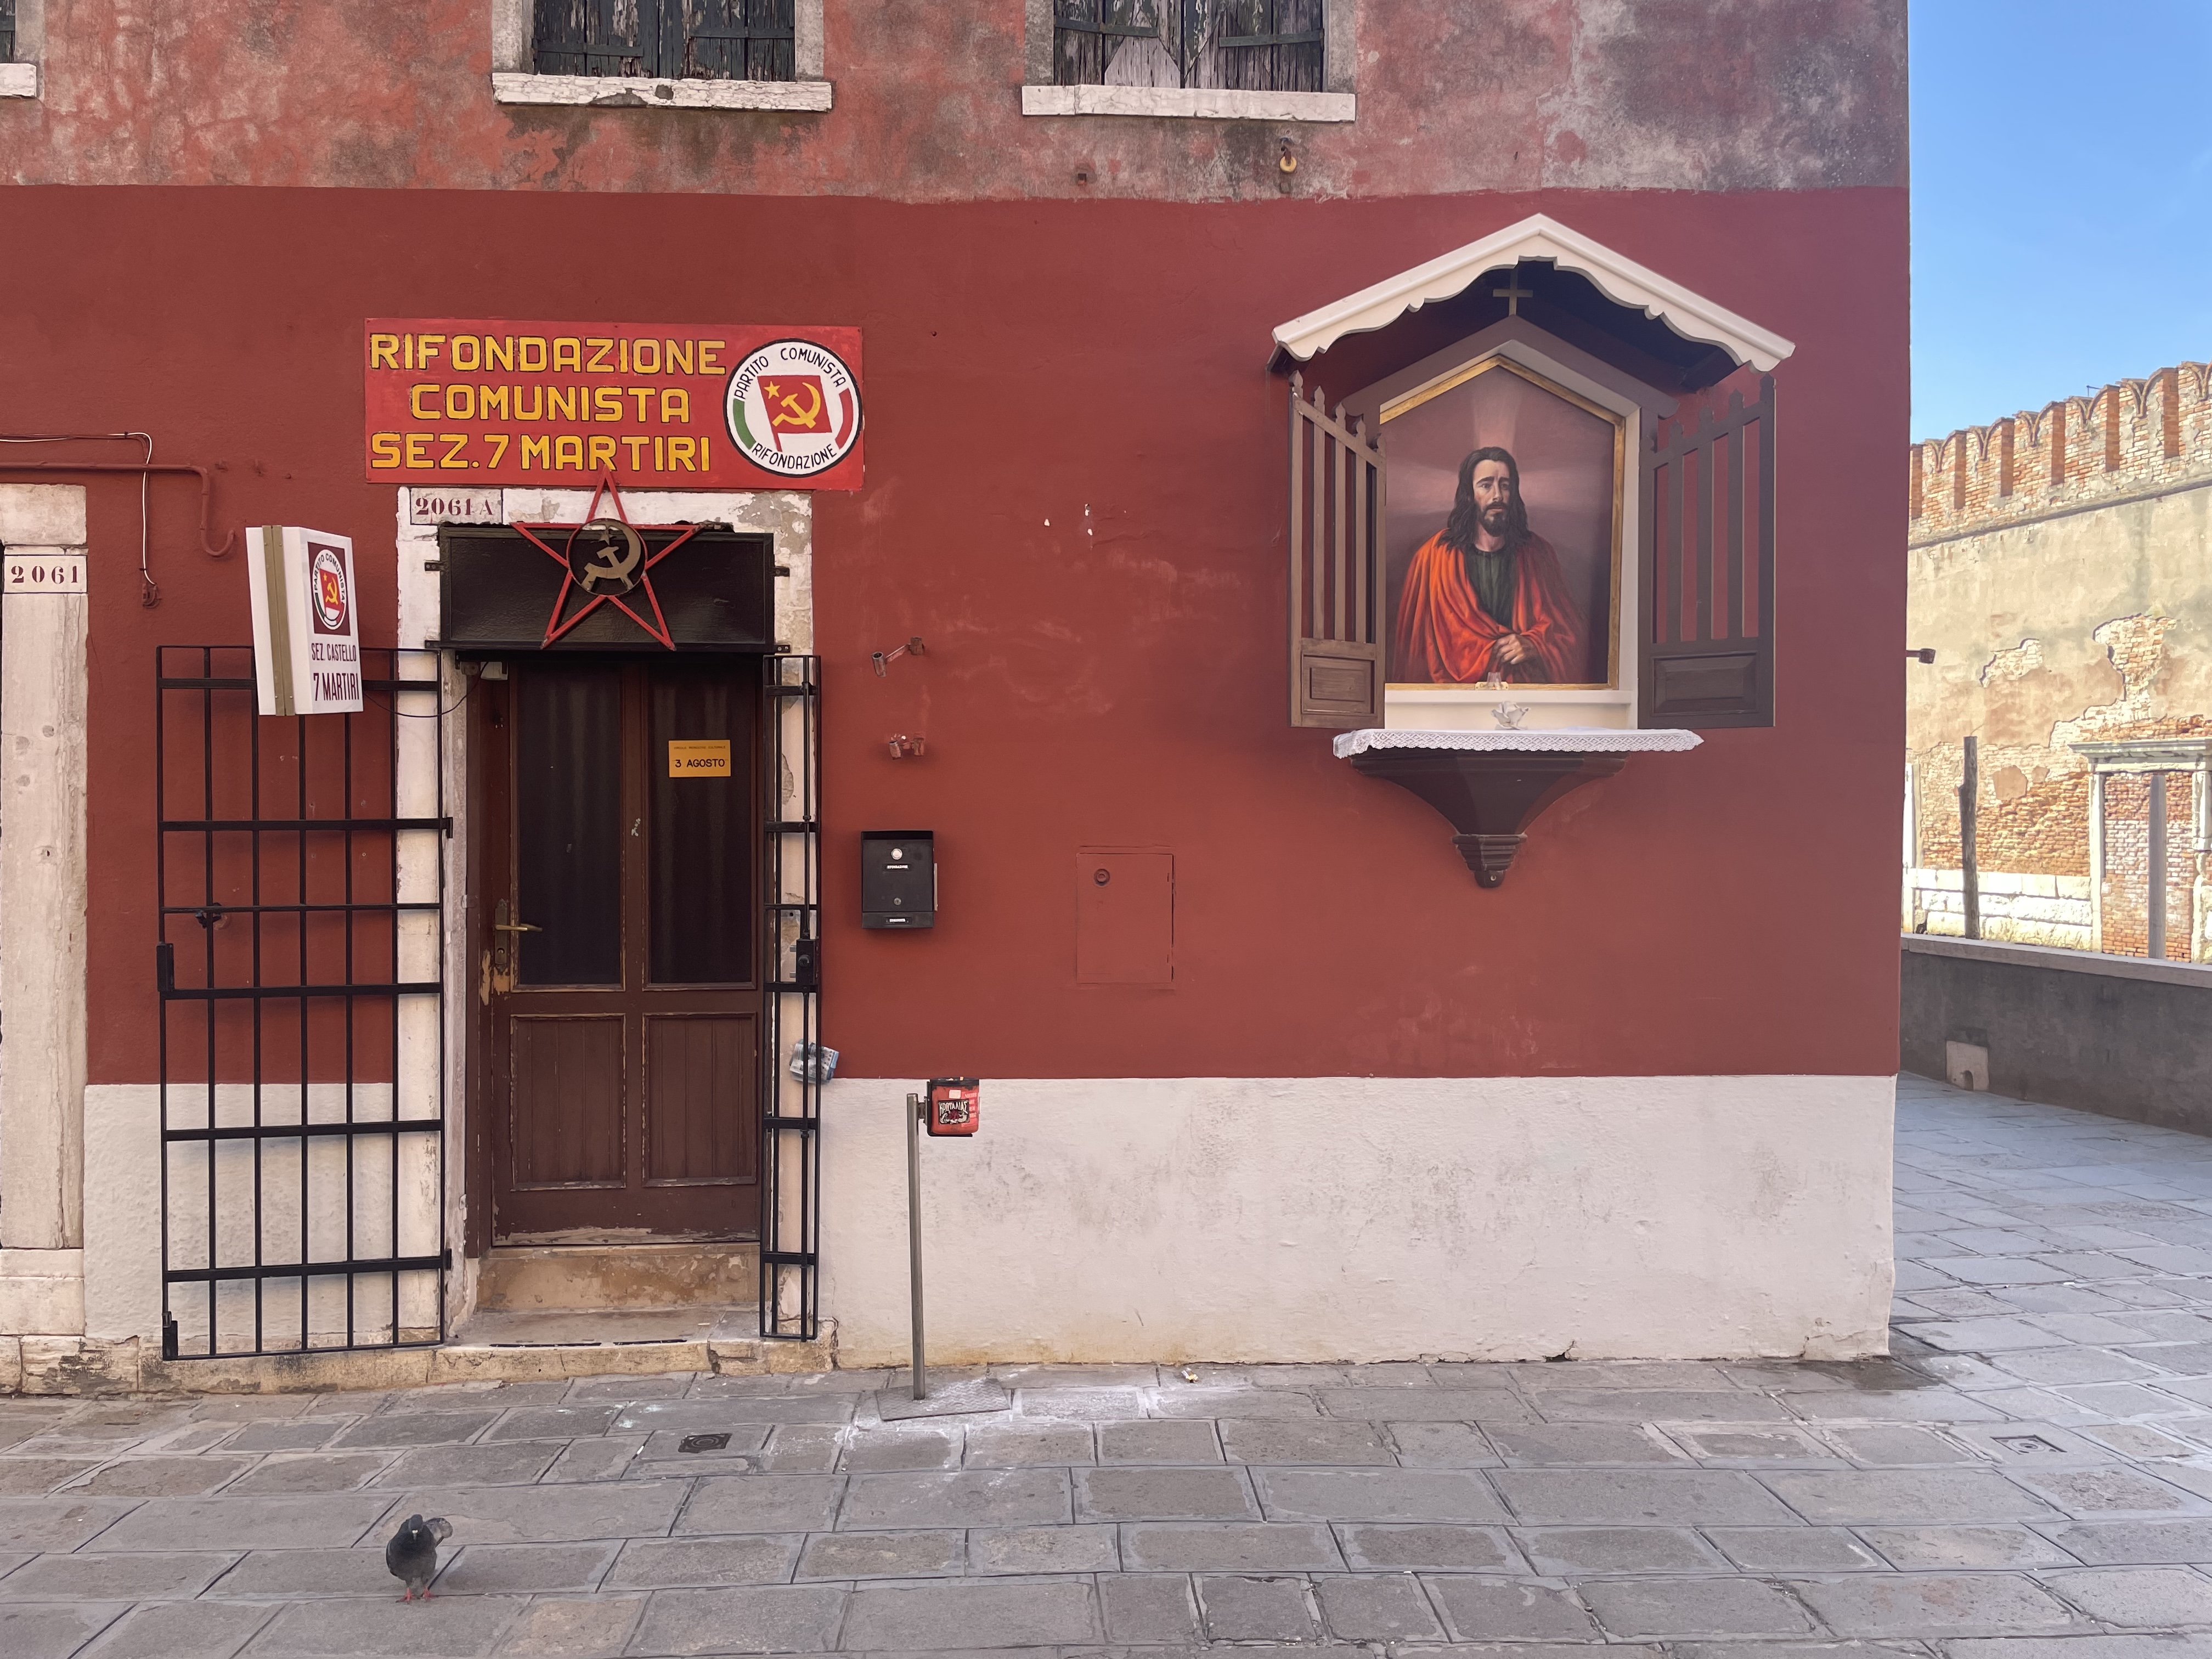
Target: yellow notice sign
point(699, 758)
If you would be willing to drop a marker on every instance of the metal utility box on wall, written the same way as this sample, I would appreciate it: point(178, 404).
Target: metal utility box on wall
point(898, 878)
point(1124, 916)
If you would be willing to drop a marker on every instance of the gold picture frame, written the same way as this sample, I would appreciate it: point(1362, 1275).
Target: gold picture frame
point(1407, 401)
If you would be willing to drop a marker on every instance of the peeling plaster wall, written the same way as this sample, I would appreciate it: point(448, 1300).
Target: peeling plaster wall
point(2064, 576)
point(1454, 95)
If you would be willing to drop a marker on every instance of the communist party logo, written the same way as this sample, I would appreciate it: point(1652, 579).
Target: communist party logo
point(794, 408)
point(794, 405)
point(330, 594)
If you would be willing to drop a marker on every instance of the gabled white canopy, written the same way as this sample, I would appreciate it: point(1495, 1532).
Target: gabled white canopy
point(1536, 237)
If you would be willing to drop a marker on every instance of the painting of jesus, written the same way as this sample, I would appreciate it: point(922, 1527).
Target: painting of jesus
point(1503, 532)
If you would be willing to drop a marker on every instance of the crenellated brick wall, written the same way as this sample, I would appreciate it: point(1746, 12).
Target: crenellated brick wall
point(2120, 440)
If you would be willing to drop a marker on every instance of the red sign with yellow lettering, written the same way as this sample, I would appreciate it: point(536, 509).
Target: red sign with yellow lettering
point(469, 401)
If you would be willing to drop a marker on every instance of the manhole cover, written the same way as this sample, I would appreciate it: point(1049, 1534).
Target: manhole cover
point(2025, 1444)
point(699, 1443)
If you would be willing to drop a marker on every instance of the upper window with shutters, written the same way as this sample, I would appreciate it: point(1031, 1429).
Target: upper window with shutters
point(695, 54)
point(1283, 60)
point(1541, 478)
point(21, 27)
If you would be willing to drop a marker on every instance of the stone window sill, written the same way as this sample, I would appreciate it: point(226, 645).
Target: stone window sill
point(19, 80)
point(633, 92)
point(1191, 103)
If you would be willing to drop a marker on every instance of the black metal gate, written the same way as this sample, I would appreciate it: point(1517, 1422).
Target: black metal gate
point(301, 880)
point(790, 1087)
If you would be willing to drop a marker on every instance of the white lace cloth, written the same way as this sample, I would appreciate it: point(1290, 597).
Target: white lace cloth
point(1550, 739)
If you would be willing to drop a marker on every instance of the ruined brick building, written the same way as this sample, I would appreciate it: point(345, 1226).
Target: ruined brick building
point(2062, 573)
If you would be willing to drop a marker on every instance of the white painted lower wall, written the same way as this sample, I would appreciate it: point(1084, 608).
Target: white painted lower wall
point(1369, 1219)
point(124, 1216)
point(1298, 1219)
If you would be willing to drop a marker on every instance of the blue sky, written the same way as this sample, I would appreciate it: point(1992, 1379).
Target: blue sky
point(2062, 199)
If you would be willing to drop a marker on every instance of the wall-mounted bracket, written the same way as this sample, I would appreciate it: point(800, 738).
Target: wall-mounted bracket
point(1491, 786)
point(883, 659)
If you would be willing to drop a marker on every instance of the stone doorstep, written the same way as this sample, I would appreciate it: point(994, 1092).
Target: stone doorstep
point(77, 1365)
point(521, 1279)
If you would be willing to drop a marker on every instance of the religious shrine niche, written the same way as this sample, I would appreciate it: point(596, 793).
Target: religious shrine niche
point(1538, 536)
point(1501, 541)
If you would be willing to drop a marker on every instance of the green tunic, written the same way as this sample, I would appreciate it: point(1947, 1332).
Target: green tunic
point(1491, 575)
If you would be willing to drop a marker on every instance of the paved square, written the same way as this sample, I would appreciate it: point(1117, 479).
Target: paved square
point(2029, 1478)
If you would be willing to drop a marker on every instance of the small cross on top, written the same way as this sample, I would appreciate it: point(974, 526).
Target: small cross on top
point(1513, 296)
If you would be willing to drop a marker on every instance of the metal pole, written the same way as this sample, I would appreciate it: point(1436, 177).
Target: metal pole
point(1970, 867)
point(2157, 864)
point(913, 1226)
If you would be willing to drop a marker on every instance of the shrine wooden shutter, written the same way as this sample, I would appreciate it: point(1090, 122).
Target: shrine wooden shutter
point(1706, 568)
point(1335, 537)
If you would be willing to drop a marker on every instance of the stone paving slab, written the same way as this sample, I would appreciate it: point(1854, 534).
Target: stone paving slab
point(115, 1578)
point(1633, 1497)
point(287, 1574)
point(52, 1630)
point(781, 1618)
point(245, 1524)
point(446, 1627)
point(528, 1515)
point(181, 1630)
point(964, 1498)
point(778, 1503)
point(2030, 1478)
point(1169, 1494)
point(1227, 1548)
point(310, 1472)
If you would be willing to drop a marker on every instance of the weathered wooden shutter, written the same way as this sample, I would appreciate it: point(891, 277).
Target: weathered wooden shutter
point(595, 36)
point(1706, 569)
point(736, 40)
point(1335, 532)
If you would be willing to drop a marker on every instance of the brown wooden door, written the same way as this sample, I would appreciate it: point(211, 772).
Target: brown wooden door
point(624, 1017)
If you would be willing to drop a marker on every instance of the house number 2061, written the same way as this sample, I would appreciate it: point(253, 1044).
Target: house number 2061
point(57, 575)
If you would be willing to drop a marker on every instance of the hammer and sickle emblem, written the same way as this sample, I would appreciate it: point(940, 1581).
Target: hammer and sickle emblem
point(619, 551)
point(793, 414)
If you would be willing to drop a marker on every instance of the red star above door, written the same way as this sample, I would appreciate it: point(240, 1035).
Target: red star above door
point(607, 560)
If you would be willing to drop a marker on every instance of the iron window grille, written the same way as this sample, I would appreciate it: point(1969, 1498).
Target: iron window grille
point(1253, 45)
point(7, 31)
point(667, 40)
point(791, 1093)
point(299, 873)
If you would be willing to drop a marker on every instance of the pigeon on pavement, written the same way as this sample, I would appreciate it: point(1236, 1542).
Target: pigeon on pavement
point(412, 1554)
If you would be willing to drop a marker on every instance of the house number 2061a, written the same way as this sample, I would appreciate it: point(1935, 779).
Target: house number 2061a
point(54, 575)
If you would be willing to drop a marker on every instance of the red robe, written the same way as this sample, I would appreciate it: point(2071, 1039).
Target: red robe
point(1444, 637)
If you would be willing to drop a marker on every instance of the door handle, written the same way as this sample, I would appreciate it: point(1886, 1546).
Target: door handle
point(500, 964)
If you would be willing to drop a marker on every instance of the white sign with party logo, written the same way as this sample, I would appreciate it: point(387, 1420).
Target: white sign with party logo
point(306, 635)
point(794, 408)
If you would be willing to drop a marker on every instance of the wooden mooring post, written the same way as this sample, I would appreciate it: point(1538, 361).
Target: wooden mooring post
point(1970, 870)
point(2157, 895)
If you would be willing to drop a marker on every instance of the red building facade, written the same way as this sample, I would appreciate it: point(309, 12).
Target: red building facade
point(1347, 1102)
